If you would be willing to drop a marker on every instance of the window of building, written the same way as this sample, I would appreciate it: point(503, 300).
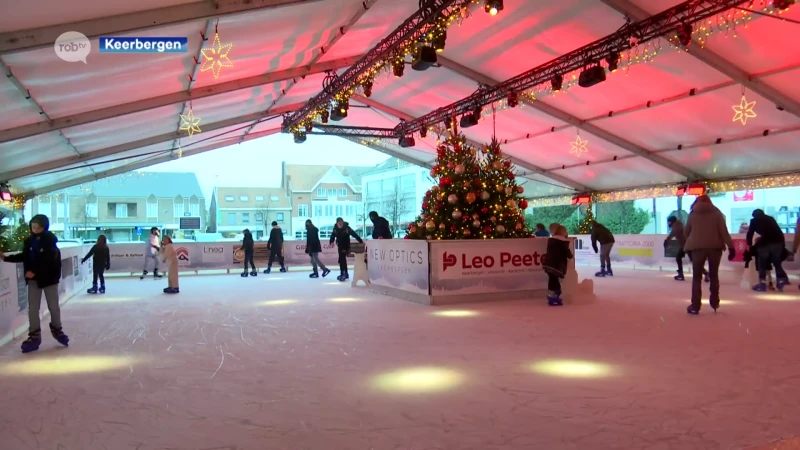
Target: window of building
point(329, 210)
point(274, 198)
point(279, 217)
point(178, 209)
point(321, 192)
point(343, 192)
point(244, 198)
point(60, 208)
point(122, 210)
point(259, 218)
point(339, 210)
point(331, 192)
point(195, 209)
point(259, 198)
point(231, 218)
point(91, 209)
point(44, 206)
point(317, 210)
point(351, 210)
point(230, 198)
point(245, 217)
point(302, 210)
point(152, 207)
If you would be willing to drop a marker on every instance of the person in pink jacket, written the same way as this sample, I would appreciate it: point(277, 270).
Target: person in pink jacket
point(170, 258)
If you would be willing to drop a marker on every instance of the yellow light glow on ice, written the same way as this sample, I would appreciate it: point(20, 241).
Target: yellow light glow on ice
point(779, 297)
point(344, 300)
point(102, 299)
point(278, 302)
point(455, 313)
point(66, 365)
point(570, 368)
point(418, 380)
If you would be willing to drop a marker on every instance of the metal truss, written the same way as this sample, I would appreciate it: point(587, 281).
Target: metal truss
point(627, 37)
point(414, 27)
point(364, 132)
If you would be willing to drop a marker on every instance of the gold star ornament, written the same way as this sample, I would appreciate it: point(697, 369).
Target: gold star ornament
point(216, 57)
point(579, 146)
point(190, 123)
point(744, 111)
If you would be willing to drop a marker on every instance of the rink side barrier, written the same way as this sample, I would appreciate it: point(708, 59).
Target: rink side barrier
point(75, 279)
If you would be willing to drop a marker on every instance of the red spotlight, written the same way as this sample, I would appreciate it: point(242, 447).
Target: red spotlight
point(581, 199)
point(696, 189)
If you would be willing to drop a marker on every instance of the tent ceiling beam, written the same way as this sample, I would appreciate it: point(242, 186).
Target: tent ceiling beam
point(171, 99)
point(516, 161)
point(145, 163)
point(363, 132)
point(390, 152)
point(141, 143)
point(15, 41)
point(717, 62)
point(418, 23)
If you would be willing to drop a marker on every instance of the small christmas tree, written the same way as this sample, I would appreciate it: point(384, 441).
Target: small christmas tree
point(477, 196)
point(585, 227)
point(18, 236)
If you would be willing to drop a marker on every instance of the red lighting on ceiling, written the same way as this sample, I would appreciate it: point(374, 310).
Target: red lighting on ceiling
point(680, 191)
point(581, 199)
point(696, 189)
point(5, 196)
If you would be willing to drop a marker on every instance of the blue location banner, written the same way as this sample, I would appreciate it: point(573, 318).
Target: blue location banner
point(113, 44)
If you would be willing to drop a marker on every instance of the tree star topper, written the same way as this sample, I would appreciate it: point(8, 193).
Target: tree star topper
point(744, 111)
point(190, 123)
point(216, 57)
point(579, 146)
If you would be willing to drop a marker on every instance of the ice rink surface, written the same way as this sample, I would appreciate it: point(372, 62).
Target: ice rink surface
point(284, 362)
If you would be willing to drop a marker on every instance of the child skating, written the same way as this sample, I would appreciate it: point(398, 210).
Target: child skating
point(41, 261)
point(248, 247)
point(555, 264)
point(151, 253)
point(101, 261)
point(170, 258)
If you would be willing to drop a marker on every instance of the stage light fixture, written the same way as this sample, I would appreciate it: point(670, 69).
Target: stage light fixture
point(493, 7)
point(344, 106)
point(448, 123)
point(398, 67)
point(423, 132)
point(299, 136)
point(782, 4)
point(468, 120)
point(613, 62)
point(512, 101)
point(309, 127)
point(367, 88)
point(5, 192)
point(407, 141)
point(324, 116)
point(557, 82)
point(424, 58)
point(591, 76)
point(685, 34)
point(439, 42)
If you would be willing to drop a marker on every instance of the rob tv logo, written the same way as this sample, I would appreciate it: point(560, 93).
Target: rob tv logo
point(507, 259)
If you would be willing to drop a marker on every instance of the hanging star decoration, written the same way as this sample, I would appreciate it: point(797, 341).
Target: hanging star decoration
point(216, 57)
point(744, 111)
point(190, 123)
point(579, 146)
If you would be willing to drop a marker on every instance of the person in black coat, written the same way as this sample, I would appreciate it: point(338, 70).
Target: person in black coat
point(248, 247)
point(41, 261)
point(275, 246)
point(555, 264)
point(380, 226)
point(771, 245)
point(101, 261)
point(313, 249)
point(341, 234)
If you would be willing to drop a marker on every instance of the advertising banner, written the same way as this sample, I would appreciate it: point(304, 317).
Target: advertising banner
point(477, 267)
point(295, 251)
point(9, 307)
point(214, 255)
point(398, 263)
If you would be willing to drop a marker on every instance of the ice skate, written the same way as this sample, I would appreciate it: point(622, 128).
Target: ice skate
point(714, 304)
point(254, 273)
point(92, 290)
point(692, 310)
point(781, 283)
point(346, 275)
point(102, 289)
point(760, 287)
point(553, 299)
point(609, 272)
point(244, 274)
point(59, 335)
point(268, 270)
point(313, 275)
point(325, 273)
point(283, 270)
point(156, 275)
point(679, 277)
point(706, 279)
point(144, 274)
point(602, 273)
point(32, 343)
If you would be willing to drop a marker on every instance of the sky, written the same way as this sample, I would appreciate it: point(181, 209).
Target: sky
point(257, 163)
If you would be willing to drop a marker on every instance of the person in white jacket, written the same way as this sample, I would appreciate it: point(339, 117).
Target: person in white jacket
point(151, 253)
point(170, 258)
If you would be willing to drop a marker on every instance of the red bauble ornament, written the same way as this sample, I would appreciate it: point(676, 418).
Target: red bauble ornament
point(453, 228)
point(496, 149)
point(457, 146)
point(476, 170)
point(450, 165)
point(484, 210)
point(523, 204)
point(507, 163)
point(487, 230)
point(510, 175)
point(445, 181)
point(406, 237)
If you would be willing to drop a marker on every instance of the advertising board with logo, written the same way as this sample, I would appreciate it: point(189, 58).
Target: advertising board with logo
point(184, 256)
point(295, 251)
point(8, 296)
point(214, 255)
point(477, 267)
point(399, 263)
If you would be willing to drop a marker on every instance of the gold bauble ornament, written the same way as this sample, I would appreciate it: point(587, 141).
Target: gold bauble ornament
point(476, 223)
point(441, 226)
point(518, 226)
point(509, 190)
point(493, 219)
point(497, 165)
point(476, 216)
point(452, 199)
point(467, 232)
point(520, 189)
point(485, 195)
point(511, 203)
point(456, 214)
point(500, 229)
point(459, 169)
point(499, 188)
point(430, 225)
point(470, 197)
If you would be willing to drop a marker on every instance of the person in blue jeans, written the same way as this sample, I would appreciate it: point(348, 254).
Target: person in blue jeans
point(771, 246)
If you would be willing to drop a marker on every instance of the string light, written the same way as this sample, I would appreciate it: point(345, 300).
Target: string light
point(190, 123)
point(216, 57)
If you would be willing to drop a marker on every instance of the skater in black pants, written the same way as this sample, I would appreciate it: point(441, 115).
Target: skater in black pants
point(341, 234)
point(606, 238)
point(248, 247)
point(313, 249)
point(555, 264)
point(676, 232)
point(771, 246)
point(101, 261)
point(41, 261)
point(275, 246)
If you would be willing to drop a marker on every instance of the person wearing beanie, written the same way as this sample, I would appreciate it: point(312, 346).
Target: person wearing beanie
point(248, 247)
point(275, 247)
point(341, 234)
point(41, 261)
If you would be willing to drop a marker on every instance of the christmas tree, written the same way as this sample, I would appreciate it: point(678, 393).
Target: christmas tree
point(476, 196)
